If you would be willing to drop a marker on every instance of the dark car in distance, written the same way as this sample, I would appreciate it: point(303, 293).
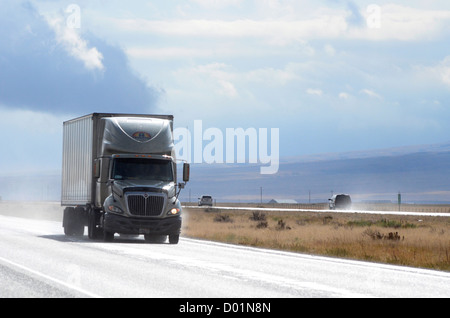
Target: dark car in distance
point(340, 202)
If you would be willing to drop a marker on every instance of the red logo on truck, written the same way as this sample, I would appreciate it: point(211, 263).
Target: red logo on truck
point(141, 136)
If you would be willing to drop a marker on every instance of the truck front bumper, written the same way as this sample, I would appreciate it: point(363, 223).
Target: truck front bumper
point(126, 225)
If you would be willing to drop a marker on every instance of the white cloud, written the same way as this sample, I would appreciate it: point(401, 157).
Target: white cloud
point(186, 52)
point(438, 73)
point(166, 53)
point(47, 65)
point(329, 50)
point(224, 78)
point(444, 70)
point(75, 45)
point(217, 4)
point(344, 95)
point(272, 76)
point(274, 31)
point(316, 92)
point(371, 93)
point(396, 23)
point(217, 77)
point(404, 23)
point(227, 89)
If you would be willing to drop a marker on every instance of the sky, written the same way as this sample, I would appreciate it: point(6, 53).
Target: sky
point(331, 75)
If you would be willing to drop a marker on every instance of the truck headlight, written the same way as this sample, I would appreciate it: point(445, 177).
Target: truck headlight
point(174, 211)
point(115, 209)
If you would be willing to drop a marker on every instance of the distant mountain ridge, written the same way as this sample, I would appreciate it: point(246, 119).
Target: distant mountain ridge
point(361, 154)
point(421, 173)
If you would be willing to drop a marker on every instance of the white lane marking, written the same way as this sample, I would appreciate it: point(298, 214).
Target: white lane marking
point(46, 277)
point(320, 211)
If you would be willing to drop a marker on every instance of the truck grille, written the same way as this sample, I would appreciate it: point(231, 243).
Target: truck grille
point(145, 205)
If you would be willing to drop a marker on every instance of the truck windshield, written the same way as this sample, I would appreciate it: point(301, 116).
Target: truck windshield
point(142, 169)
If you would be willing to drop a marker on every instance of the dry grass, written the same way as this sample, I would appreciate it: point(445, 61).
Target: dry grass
point(403, 240)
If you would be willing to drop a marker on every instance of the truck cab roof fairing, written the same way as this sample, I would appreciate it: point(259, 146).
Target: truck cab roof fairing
point(136, 135)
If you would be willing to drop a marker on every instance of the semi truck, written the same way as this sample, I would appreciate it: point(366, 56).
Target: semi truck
point(340, 202)
point(119, 175)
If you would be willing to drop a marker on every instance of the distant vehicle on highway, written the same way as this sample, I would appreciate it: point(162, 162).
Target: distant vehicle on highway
point(340, 202)
point(205, 200)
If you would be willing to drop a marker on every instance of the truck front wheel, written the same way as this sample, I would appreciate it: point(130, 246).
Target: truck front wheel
point(94, 232)
point(108, 236)
point(173, 239)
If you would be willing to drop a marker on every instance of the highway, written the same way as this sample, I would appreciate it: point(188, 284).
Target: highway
point(37, 260)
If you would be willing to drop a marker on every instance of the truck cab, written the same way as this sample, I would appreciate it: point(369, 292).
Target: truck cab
point(142, 197)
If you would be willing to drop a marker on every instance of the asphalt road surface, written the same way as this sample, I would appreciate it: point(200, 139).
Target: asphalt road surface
point(37, 260)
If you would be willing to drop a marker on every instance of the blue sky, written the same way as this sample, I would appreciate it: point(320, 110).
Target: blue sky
point(331, 75)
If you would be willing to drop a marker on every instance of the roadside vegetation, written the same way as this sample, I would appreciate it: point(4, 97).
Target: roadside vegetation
point(403, 240)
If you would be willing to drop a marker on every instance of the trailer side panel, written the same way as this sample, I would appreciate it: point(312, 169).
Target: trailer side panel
point(77, 161)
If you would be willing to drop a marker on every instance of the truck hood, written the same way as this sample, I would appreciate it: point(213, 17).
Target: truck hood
point(123, 186)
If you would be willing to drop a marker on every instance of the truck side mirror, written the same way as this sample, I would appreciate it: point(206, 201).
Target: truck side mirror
point(186, 172)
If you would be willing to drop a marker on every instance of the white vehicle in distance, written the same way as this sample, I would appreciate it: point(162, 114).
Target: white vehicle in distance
point(205, 200)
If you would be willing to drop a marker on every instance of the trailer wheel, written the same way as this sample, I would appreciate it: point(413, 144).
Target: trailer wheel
point(173, 239)
point(67, 221)
point(73, 222)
